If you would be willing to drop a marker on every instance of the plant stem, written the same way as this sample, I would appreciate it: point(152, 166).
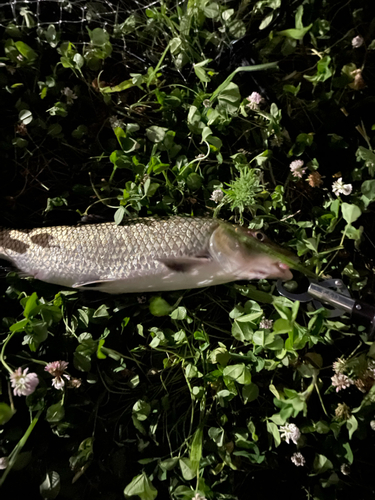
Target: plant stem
point(18, 448)
point(2, 359)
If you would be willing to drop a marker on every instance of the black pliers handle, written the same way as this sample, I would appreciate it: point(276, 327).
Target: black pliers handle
point(334, 293)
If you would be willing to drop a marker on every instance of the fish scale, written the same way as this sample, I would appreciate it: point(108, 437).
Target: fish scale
point(141, 255)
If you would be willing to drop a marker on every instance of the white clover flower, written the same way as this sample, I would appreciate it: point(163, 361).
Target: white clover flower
point(23, 383)
point(341, 381)
point(57, 368)
point(290, 432)
point(198, 496)
point(298, 459)
point(69, 94)
point(255, 98)
point(338, 187)
point(357, 42)
point(339, 365)
point(217, 195)
point(266, 324)
point(115, 122)
point(4, 462)
point(296, 168)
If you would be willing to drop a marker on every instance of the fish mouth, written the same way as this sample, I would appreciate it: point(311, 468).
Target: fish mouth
point(284, 272)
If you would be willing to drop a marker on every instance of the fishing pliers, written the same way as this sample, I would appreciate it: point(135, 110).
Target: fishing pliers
point(335, 297)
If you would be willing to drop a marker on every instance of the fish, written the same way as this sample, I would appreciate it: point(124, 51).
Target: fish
point(144, 254)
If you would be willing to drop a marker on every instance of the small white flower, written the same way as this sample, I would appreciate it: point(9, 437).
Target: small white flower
point(4, 462)
point(57, 369)
point(69, 94)
point(290, 432)
point(371, 367)
point(217, 195)
point(197, 496)
point(115, 122)
point(296, 168)
point(207, 103)
point(255, 98)
point(20, 57)
point(266, 324)
point(372, 425)
point(339, 365)
point(23, 383)
point(338, 187)
point(298, 459)
point(341, 381)
point(357, 42)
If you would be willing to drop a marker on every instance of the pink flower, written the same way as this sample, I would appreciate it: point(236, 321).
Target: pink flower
point(57, 368)
point(341, 381)
point(296, 168)
point(23, 383)
point(254, 100)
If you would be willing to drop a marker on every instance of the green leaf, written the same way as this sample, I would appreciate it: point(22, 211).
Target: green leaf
point(19, 326)
point(27, 52)
point(81, 362)
point(55, 413)
point(349, 454)
point(196, 448)
point(282, 326)
point(6, 413)
point(141, 409)
point(50, 487)
point(156, 134)
point(159, 307)
point(321, 464)
point(295, 34)
point(31, 306)
point(274, 431)
point(240, 373)
point(350, 212)
point(25, 116)
point(179, 313)
point(141, 486)
point(194, 181)
point(188, 470)
point(242, 331)
point(250, 392)
point(217, 434)
point(352, 425)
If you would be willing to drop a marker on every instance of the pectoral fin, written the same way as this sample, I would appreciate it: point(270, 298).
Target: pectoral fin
point(91, 284)
point(184, 264)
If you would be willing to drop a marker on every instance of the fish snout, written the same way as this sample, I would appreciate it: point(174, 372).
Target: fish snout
point(283, 272)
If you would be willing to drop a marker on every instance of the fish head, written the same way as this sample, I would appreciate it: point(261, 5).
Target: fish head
point(249, 254)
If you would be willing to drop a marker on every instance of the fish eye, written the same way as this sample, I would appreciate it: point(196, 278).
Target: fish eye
point(260, 236)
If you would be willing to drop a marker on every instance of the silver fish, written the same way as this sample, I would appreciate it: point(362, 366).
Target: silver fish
point(147, 254)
